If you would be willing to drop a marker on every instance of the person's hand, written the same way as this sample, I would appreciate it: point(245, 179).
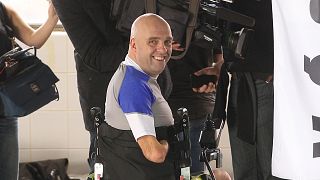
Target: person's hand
point(52, 12)
point(213, 70)
point(177, 46)
point(206, 88)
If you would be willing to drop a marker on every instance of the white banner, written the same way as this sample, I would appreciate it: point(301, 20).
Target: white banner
point(296, 146)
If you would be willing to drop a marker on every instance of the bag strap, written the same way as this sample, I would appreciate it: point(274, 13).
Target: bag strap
point(150, 6)
point(17, 51)
point(2, 14)
point(193, 10)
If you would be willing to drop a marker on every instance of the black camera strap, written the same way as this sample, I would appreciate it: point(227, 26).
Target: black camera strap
point(150, 6)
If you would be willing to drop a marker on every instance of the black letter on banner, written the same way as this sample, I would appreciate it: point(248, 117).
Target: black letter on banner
point(312, 68)
point(315, 10)
point(316, 127)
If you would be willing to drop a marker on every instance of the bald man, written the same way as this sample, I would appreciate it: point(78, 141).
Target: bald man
point(134, 143)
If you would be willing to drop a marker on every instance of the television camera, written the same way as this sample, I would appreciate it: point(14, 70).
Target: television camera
point(210, 31)
point(212, 28)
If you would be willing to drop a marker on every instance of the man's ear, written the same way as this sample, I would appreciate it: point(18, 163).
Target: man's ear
point(133, 44)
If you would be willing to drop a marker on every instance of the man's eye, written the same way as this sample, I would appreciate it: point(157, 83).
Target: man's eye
point(153, 42)
point(168, 43)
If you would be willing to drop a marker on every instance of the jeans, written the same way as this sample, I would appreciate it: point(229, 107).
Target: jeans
point(196, 125)
point(252, 162)
point(9, 148)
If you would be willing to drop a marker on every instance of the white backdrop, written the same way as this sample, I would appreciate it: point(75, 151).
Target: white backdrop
point(297, 90)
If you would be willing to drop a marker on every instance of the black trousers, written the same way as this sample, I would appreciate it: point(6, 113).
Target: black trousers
point(122, 158)
point(252, 161)
point(92, 88)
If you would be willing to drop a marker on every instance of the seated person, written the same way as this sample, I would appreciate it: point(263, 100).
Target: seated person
point(130, 144)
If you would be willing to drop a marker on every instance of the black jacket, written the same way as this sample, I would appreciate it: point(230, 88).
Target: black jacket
point(5, 42)
point(92, 33)
point(259, 56)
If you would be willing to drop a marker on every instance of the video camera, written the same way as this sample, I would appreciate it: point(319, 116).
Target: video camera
point(212, 31)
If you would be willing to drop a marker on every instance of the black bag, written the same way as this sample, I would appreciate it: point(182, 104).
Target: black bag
point(126, 11)
point(44, 170)
point(26, 84)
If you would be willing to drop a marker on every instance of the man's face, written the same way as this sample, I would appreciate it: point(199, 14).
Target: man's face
point(153, 47)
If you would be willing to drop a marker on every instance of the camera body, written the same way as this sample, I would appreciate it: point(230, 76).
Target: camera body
point(212, 31)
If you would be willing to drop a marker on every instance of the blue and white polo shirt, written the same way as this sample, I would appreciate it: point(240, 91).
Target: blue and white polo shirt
point(134, 101)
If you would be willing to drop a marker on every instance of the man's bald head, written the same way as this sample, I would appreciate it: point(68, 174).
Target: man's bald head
point(150, 43)
point(146, 20)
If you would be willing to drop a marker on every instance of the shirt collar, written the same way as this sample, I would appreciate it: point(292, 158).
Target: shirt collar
point(128, 61)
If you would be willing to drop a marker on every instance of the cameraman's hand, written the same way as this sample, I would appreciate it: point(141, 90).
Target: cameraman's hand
point(206, 88)
point(177, 46)
point(213, 70)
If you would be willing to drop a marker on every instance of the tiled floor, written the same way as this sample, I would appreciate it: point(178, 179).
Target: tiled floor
point(80, 177)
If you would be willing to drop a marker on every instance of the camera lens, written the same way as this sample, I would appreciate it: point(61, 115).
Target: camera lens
point(238, 41)
point(230, 40)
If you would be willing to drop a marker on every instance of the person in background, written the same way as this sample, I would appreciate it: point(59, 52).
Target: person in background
point(250, 108)
point(250, 104)
point(198, 101)
point(99, 49)
point(12, 25)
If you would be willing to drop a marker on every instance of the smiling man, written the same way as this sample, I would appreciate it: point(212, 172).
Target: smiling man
point(132, 143)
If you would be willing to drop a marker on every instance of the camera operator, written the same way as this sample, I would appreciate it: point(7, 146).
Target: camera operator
point(250, 108)
point(99, 49)
point(198, 100)
point(199, 103)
